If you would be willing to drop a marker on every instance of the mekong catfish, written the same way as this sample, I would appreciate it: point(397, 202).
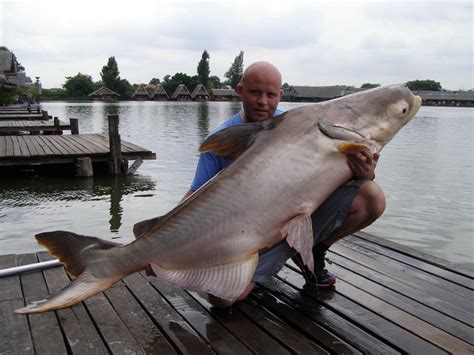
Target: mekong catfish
point(284, 169)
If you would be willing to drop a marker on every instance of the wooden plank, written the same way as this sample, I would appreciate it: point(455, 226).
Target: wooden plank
point(245, 330)
point(92, 146)
point(146, 333)
point(44, 146)
point(14, 331)
point(45, 330)
point(10, 287)
point(283, 332)
point(447, 303)
point(416, 254)
point(173, 326)
point(426, 279)
point(372, 322)
point(113, 330)
point(32, 147)
point(449, 275)
point(77, 147)
point(55, 143)
point(345, 270)
point(9, 146)
point(218, 337)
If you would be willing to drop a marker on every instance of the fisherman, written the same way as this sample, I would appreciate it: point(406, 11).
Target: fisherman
point(351, 208)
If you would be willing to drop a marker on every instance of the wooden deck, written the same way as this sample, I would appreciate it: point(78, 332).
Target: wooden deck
point(33, 126)
point(388, 299)
point(58, 149)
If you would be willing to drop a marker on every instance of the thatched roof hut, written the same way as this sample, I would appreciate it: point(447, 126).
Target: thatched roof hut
point(104, 94)
point(181, 93)
point(200, 93)
point(224, 95)
point(159, 93)
point(141, 93)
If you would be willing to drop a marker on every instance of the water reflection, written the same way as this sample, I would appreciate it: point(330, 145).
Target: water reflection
point(203, 119)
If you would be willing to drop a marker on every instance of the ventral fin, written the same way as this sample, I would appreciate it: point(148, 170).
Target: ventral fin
point(231, 142)
point(341, 133)
point(226, 281)
point(299, 235)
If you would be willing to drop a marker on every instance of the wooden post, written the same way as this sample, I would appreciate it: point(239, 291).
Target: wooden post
point(84, 167)
point(115, 145)
point(74, 122)
point(45, 115)
point(56, 124)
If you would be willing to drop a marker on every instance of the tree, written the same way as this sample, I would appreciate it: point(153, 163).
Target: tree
point(110, 75)
point(154, 81)
point(236, 70)
point(429, 85)
point(203, 70)
point(170, 83)
point(79, 86)
point(215, 82)
point(369, 86)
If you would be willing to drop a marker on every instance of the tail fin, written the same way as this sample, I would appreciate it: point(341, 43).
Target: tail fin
point(83, 257)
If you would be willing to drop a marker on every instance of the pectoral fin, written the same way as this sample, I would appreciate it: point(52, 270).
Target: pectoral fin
point(299, 235)
point(341, 133)
point(351, 147)
point(231, 142)
point(227, 281)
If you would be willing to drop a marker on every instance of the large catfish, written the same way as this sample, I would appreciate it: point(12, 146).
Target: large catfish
point(284, 168)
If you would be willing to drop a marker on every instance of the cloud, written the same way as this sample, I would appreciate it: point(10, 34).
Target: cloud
point(313, 42)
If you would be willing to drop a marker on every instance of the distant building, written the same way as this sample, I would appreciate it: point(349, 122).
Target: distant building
point(224, 95)
point(314, 93)
point(200, 93)
point(141, 93)
point(446, 98)
point(8, 68)
point(104, 94)
point(181, 93)
point(159, 94)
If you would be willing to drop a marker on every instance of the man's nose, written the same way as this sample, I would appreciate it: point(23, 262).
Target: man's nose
point(262, 100)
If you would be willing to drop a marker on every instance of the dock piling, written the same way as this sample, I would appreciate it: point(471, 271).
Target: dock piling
point(115, 145)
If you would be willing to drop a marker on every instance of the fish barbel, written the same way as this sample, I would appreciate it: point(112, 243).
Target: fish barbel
point(284, 169)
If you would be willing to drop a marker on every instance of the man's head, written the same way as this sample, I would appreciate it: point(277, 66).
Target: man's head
point(260, 91)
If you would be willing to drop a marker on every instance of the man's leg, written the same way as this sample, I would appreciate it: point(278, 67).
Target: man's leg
point(348, 210)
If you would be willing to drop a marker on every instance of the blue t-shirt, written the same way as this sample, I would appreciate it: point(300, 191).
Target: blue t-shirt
point(210, 164)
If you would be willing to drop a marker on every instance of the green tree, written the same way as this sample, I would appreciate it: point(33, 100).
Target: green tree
point(170, 83)
point(125, 89)
point(215, 82)
point(429, 85)
point(154, 81)
point(80, 85)
point(369, 86)
point(203, 70)
point(110, 75)
point(236, 70)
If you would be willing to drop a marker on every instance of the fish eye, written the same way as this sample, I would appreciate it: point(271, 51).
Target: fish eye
point(404, 110)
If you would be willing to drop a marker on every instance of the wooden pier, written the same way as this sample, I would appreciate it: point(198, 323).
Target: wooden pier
point(388, 299)
point(83, 150)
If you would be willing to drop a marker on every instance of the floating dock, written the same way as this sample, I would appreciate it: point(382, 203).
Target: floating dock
point(388, 299)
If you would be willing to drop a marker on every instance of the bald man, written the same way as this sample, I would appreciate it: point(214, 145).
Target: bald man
point(349, 209)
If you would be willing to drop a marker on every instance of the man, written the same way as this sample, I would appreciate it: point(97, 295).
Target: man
point(349, 209)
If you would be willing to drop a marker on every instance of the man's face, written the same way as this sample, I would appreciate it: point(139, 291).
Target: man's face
point(260, 95)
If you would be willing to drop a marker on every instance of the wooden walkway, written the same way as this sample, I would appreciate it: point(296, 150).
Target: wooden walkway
point(57, 149)
point(388, 299)
point(33, 126)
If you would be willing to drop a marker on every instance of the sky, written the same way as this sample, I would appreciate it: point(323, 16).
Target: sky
point(312, 42)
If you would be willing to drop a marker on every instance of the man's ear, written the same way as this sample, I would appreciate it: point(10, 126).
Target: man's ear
point(238, 89)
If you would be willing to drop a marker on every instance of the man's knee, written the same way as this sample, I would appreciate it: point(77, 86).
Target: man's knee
point(371, 200)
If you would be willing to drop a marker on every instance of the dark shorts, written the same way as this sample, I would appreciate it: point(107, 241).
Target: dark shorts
point(326, 219)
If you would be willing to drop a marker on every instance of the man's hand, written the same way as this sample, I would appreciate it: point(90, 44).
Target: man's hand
point(363, 164)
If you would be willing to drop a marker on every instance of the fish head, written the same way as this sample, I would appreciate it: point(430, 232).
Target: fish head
point(376, 114)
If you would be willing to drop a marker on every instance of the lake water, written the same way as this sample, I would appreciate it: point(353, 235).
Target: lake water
point(427, 173)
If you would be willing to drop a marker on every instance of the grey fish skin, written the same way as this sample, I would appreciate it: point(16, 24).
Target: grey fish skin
point(285, 168)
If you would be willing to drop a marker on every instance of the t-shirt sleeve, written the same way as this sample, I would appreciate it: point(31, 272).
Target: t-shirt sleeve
point(208, 165)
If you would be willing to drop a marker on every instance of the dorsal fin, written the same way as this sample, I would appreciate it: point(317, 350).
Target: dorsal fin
point(232, 141)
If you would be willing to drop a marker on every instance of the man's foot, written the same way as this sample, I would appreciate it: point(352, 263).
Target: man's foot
point(321, 276)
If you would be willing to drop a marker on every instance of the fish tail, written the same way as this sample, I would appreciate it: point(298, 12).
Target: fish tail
point(92, 261)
